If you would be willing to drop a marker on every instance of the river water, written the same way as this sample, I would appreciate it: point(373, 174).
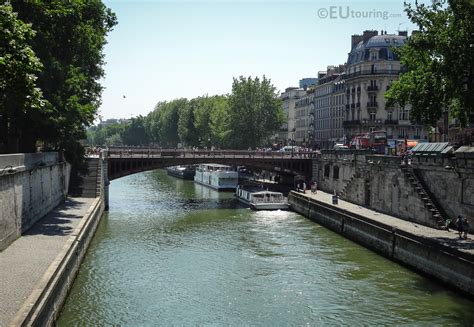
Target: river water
point(170, 252)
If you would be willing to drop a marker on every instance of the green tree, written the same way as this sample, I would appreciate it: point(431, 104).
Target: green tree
point(161, 125)
point(102, 134)
point(69, 42)
point(439, 60)
point(21, 101)
point(219, 122)
point(152, 127)
point(134, 133)
point(255, 112)
point(186, 130)
point(202, 118)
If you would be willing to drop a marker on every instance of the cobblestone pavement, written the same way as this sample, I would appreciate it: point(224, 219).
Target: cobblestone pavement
point(23, 263)
point(449, 238)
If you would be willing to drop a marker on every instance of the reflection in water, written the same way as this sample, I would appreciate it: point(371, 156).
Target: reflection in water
point(170, 252)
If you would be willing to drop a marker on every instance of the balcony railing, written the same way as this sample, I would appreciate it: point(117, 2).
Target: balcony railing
point(372, 88)
point(371, 122)
point(391, 122)
point(372, 104)
point(350, 123)
point(372, 72)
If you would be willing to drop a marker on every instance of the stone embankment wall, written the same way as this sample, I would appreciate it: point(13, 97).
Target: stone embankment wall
point(446, 264)
point(44, 305)
point(451, 181)
point(377, 182)
point(31, 185)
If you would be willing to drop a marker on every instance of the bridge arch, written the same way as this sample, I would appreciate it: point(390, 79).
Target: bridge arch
point(123, 163)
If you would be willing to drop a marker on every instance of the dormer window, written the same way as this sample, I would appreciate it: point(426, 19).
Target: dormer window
point(374, 54)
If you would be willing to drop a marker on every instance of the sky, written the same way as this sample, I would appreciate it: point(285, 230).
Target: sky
point(163, 50)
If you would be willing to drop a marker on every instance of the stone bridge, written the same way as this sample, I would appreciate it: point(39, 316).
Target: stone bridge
point(114, 163)
point(123, 162)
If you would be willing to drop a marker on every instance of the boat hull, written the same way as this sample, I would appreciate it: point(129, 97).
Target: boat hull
point(187, 174)
point(219, 180)
point(264, 206)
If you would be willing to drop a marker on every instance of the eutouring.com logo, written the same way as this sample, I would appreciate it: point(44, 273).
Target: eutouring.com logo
point(345, 12)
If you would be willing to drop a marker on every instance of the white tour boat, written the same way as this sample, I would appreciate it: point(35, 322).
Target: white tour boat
point(218, 177)
point(260, 199)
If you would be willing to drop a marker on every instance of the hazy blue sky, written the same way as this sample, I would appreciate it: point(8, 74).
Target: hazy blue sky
point(162, 50)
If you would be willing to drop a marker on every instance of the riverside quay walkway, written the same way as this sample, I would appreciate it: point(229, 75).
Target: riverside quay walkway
point(433, 252)
point(29, 266)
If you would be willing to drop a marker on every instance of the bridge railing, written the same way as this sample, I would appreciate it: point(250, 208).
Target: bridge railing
point(120, 152)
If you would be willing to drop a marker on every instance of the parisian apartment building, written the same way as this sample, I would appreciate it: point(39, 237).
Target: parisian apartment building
point(348, 100)
point(371, 68)
point(301, 133)
point(289, 98)
point(328, 108)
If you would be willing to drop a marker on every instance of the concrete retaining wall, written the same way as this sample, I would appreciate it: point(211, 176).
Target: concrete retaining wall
point(377, 182)
point(31, 185)
point(43, 306)
point(453, 189)
point(446, 264)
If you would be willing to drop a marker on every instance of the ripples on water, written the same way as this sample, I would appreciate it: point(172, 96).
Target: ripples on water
point(170, 252)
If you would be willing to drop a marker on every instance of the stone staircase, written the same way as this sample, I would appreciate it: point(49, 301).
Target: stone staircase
point(87, 184)
point(347, 187)
point(428, 199)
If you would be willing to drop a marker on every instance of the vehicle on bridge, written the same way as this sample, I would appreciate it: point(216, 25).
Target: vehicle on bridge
point(257, 198)
point(216, 176)
point(376, 141)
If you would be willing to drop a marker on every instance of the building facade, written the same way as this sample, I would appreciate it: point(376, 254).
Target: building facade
point(289, 98)
point(303, 107)
point(371, 67)
point(338, 103)
point(328, 101)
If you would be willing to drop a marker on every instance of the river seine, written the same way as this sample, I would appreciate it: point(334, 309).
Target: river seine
point(170, 252)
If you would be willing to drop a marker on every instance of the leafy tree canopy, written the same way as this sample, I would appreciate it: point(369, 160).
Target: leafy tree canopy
point(70, 36)
point(439, 59)
point(245, 118)
point(255, 112)
point(21, 101)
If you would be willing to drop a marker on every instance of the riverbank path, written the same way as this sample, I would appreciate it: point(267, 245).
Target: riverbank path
point(26, 264)
point(448, 238)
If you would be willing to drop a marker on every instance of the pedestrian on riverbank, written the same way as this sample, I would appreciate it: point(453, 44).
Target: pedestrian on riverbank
point(459, 225)
point(314, 188)
point(465, 228)
point(447, 224)
point(304, 187)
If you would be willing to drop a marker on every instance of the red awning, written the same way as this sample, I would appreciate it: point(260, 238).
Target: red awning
point(411, 143)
